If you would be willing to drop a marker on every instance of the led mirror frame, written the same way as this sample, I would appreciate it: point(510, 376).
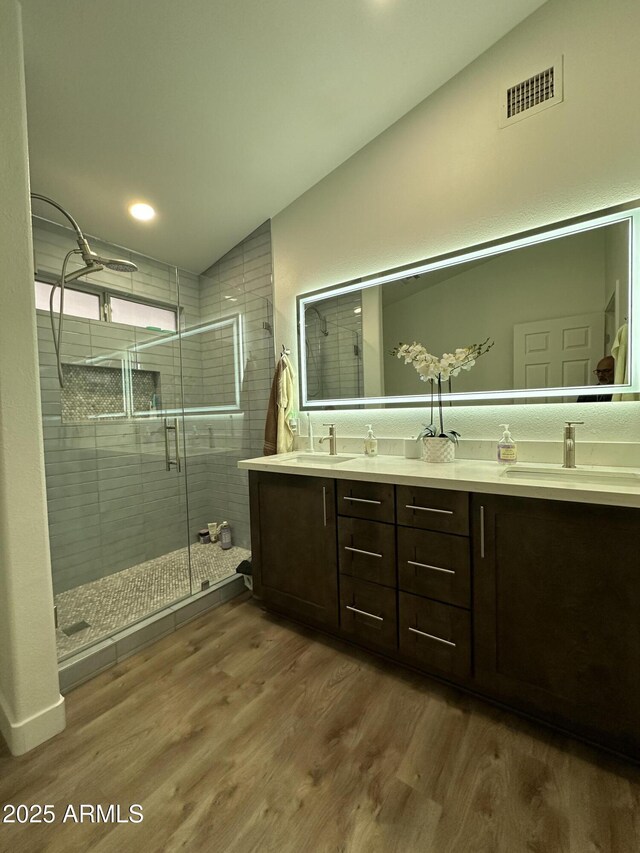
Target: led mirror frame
point(629, 212)
point(235, 321)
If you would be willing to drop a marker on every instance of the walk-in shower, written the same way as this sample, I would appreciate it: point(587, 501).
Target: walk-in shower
point(154, 360)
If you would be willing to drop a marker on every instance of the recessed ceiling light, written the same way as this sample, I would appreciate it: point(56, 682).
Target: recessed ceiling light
point(142, 211)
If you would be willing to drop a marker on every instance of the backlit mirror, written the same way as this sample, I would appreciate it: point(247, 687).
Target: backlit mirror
point(556, 306)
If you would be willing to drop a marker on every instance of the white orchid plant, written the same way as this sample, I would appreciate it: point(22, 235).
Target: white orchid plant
point(434, 369)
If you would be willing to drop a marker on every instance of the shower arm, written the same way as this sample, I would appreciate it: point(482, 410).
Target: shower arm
point(80, 238)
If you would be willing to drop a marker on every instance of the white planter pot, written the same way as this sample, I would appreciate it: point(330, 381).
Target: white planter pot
point(438, 450)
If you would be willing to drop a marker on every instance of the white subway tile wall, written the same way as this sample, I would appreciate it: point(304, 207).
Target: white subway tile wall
point(112, 503)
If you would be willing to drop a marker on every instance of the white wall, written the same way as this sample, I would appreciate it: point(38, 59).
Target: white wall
point(548, 280)
point(31, 708)
point(447, 176)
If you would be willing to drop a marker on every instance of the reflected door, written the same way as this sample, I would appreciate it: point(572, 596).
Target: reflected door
point(558, 352)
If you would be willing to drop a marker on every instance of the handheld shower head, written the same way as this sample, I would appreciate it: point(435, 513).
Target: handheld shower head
point(115, 264)
point(92, 261)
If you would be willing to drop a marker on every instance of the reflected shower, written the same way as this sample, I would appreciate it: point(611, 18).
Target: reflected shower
point(323, 320)
point(92, 263)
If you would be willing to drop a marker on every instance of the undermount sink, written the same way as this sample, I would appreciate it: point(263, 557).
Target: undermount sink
point(319, 459)
point(573, 475)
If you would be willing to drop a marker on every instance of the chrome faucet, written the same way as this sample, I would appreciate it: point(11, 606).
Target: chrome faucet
point(332, 439)
point(569, 444)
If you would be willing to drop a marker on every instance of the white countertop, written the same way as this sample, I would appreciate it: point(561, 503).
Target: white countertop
point(469, 475)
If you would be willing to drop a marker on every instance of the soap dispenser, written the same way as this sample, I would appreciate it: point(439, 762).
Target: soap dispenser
point(507, 451)
point(370, 443)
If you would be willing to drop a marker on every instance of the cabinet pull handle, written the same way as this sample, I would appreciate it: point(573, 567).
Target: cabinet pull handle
point(427, 566)
point(360, 551)
point(482, 532)
point(429, 509)
point(360, 500)
point(432, 637)
point(364, 613)
point(324, 504)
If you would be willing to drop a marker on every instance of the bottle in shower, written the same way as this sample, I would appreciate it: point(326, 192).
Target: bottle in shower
point(224, 535)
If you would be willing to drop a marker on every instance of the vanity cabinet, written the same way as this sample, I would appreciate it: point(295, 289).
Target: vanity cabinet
point(532, 603)
point(557, 613)
point(293, 538)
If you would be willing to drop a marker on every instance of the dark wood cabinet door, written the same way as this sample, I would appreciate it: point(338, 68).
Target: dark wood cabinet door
point(293, 542)
point(557, 613)
point(435, 636)
point(436, 565)
point(367, 550)
point(360, 499)
point(433, 509)
point(368, 613)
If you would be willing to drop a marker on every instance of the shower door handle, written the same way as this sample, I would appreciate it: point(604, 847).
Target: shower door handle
point(172, 427)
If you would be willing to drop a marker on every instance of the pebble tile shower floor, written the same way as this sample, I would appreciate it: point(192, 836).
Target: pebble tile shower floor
point(112, 603)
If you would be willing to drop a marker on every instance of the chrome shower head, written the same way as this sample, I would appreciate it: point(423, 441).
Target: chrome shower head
point(90, 258)
point(115, 264)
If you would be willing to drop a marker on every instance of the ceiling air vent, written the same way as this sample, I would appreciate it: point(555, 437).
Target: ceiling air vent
point(531, 95)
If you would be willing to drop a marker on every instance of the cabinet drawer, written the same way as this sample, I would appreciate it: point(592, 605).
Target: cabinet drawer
point(435, 636)
point(367, 550)
point(433, 509)
point(368, 613)
point(372, 501)
point(434, 564)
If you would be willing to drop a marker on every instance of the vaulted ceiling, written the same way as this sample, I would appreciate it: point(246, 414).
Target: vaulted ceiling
point(221, 112)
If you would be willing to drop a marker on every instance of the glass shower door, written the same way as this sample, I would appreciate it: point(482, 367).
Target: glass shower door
point(140, 456)
point(116, 484)
point(152, 510)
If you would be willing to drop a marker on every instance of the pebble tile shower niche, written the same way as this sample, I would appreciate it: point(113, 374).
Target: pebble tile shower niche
point(92, 392)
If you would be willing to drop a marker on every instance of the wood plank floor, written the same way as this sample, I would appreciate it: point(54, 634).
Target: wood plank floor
point(243, 733)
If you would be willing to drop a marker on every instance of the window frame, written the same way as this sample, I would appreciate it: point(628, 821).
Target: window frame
point(104, 295)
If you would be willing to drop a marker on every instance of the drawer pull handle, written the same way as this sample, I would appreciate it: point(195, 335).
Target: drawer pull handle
point(427, 566)
point(429, 509)
point(432, 637)
point(360, 551)
point(361, 500)
point(364, 613)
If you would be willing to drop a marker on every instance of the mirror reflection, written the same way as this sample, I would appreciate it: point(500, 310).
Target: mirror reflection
point(557, 311)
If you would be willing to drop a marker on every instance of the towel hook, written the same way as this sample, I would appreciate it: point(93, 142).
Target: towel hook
point(284, 351)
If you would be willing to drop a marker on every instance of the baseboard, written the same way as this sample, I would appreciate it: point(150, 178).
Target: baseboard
point(25, 735)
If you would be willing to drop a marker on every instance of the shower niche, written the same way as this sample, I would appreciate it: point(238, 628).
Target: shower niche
point(95, 392)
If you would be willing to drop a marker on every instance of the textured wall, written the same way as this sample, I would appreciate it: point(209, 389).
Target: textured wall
point(31, 708)
point(446, 176)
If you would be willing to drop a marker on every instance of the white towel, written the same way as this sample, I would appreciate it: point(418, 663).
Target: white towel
point(285, 403)
point(619, 351)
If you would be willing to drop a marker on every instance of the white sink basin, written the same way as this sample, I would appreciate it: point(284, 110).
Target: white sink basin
point(573, 475)
point(319, 459)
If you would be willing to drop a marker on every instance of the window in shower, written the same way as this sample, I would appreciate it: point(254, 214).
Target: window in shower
point(77, 303)
point(133, 313)
point(92, 304)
